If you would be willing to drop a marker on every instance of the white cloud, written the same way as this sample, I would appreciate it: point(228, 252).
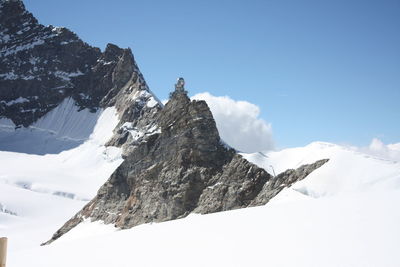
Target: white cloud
point(239, 124)
point(378, 149)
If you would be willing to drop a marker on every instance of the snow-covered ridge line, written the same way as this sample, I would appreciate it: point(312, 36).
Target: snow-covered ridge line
point(263, 159)
point(346, 171)
point(359, 150)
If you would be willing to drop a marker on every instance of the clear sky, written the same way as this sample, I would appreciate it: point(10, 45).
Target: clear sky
point(319, 70)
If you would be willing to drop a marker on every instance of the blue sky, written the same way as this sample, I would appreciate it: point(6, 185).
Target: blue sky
point(318, 70)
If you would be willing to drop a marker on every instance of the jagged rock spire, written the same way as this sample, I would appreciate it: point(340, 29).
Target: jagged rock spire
point(180, 85)
point(181, 168)
point(179, 88)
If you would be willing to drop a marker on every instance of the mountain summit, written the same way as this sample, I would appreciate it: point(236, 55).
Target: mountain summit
point(53, 88)
point(49, 69)
point(180, 167)
point(42, 65)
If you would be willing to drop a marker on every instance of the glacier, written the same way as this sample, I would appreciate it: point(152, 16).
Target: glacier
point(64, 127)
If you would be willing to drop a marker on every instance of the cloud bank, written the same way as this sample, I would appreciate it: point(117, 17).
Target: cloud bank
point(239, 124)
point(378, 149)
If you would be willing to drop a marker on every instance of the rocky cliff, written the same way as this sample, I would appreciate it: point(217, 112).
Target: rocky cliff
point(179, 168)
point(43, 65)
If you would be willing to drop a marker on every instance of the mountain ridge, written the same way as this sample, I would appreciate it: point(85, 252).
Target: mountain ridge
point(180, 169)
point(43, 65)
point(174, 161)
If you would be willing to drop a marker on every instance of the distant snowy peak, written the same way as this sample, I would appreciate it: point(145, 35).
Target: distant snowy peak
point(348, 169)
point(45, 65)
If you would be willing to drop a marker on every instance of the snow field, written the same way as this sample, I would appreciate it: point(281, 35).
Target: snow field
point(343, 214)
point(63, 128)
point(356, 230)
point(44, 191)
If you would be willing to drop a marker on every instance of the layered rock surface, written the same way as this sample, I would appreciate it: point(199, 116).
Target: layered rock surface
point(182, 167)
point(43, 65)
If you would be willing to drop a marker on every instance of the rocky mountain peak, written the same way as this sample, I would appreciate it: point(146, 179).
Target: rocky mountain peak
point(179, 167)
point(43, 65)
point(174, 160)
point(112, 52)
point(14, 10)
point(192, 125)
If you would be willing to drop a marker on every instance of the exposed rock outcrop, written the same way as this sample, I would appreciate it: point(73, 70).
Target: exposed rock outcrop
point(175, 162)
point(181, 168)
point(283, 180)
point(43, 65)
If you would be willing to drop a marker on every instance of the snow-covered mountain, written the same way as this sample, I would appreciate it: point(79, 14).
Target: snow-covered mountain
point(54, 86)
point(86, 149)
point(174, 160)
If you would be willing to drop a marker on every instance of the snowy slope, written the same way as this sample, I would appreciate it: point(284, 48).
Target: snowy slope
point(347, 170)
point(63, 128)
point(349, 231)
point(38, 193)
point(343, 214)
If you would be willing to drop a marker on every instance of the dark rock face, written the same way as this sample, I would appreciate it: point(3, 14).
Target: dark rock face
point(283, 180)
point(175, 162)
point(42, 65)
point(182, 168)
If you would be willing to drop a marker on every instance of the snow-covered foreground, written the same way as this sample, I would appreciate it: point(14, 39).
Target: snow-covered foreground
point(357, 230)
point(343, 214)
point(39, 193)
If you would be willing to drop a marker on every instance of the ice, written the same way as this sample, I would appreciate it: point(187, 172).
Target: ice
point(63, 128)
